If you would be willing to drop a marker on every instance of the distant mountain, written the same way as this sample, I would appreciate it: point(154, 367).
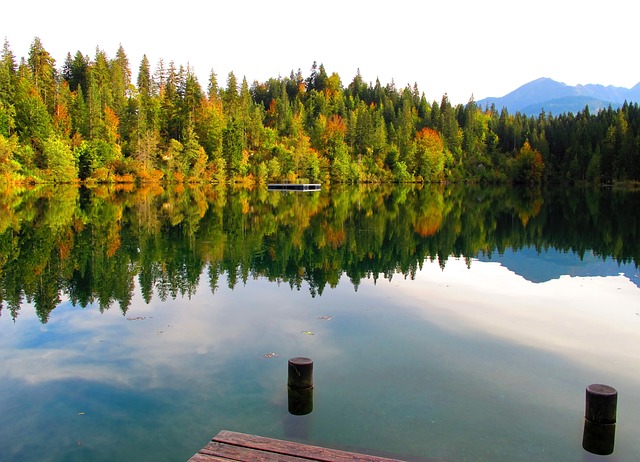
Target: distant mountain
point(568, 104)
point(557, 98)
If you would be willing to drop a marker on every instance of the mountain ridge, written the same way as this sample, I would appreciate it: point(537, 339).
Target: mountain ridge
point(557, 98)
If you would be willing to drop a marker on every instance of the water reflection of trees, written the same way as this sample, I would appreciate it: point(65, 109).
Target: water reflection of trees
point(92, 245)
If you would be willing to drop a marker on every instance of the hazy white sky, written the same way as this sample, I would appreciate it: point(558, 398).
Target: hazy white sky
point(462, 47)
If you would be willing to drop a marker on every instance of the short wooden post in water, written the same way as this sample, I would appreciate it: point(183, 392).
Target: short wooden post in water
point(600, 419)
point(300, 373)
point(300, 386)
point(601, 405)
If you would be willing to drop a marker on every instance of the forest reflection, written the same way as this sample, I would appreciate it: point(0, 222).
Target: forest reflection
point(91, 245)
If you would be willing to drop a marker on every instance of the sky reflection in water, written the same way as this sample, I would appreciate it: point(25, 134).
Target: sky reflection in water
point(458, 364)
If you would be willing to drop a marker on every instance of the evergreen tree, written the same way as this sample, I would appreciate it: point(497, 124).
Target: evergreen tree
point(230, 96)
point(8, 70)
point(32, 120)
point(75, 72)
point(232, 147)
point(43, 73)
point(213, 92)
point(120, 82)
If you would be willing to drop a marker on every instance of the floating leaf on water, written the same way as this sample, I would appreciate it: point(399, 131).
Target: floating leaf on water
point(80, 413)
point(325, 318)
point(271, 355)
point(307, 332)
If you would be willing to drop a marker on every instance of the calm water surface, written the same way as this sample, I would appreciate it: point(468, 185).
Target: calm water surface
point(458, 358)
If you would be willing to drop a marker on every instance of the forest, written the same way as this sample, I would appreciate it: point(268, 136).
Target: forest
point(88, 121)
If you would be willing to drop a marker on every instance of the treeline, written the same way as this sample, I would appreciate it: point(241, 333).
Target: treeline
point(89, 121)
point(93, 246)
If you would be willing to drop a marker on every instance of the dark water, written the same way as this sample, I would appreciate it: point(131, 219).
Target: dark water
point(456, 324)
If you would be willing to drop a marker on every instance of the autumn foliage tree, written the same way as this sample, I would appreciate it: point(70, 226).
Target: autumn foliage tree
point(527, 166)
point(430, 155)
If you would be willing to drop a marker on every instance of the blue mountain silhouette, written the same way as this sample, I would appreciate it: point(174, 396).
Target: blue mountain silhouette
point(557, 98)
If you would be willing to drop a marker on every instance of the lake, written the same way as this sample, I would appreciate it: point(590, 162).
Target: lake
point(458, 323)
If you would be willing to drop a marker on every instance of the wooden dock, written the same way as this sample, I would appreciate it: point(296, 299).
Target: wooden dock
point(227, 445)
point(293, 187)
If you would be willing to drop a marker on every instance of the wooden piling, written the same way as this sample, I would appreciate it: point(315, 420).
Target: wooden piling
point(601, 404)
point(300, 373)
point(600, 419)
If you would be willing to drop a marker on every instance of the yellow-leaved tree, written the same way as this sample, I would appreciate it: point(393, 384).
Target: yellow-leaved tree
point(527, 166)
point(429, 155)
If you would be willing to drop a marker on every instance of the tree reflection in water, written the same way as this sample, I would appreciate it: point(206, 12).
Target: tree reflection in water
point(92, 244)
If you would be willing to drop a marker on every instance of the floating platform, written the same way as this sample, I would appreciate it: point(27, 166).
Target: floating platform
point(294, 186)
point(228, 445)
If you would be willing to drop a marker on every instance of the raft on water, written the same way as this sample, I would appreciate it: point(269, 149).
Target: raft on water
point(294, 186)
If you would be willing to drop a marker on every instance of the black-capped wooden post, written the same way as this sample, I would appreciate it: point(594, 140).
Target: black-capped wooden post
point(600, 419)
point(300, 386)
point(300, 373)
point(601, 405)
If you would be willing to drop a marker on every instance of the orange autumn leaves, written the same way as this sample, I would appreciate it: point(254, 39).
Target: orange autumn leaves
point(429, 155)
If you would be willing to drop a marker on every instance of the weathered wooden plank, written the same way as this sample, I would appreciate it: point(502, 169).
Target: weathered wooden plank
point(240, 453)
point(207, 458)
point(304, 451)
